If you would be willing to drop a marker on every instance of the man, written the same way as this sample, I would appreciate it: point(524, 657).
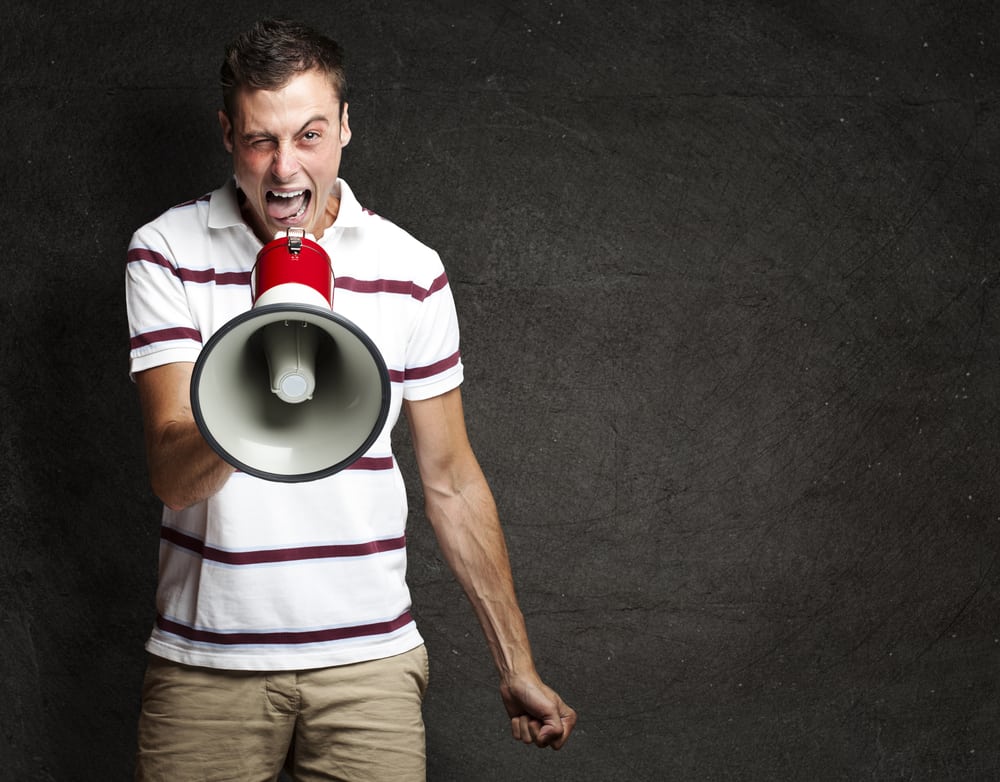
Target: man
point(283, 633)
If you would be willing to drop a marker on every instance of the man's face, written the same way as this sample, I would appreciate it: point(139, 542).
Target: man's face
point(286, 147)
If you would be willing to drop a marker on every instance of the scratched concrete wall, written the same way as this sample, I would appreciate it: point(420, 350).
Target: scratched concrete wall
point(727, 276)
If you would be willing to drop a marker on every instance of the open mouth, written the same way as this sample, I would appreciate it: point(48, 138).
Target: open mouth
point(288, 206)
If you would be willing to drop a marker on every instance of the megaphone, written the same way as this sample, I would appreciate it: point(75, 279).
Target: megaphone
point(290, 390)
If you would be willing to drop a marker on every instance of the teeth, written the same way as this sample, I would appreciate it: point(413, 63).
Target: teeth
point(295, 194)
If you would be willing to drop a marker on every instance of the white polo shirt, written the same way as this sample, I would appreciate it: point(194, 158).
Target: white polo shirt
point(286, 576)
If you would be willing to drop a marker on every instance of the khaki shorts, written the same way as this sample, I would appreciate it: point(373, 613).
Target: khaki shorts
point(352, 723)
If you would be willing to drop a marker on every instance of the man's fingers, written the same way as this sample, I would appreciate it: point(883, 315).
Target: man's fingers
point(541, 734)
point(555, 734)
point(522, 730)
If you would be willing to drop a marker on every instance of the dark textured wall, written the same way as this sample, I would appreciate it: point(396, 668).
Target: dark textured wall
point(727, 275)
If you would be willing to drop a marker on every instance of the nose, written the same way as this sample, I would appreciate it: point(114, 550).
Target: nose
point(285, 162)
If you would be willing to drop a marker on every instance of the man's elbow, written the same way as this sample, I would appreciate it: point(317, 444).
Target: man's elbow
point(173, 492)
point(169, 495)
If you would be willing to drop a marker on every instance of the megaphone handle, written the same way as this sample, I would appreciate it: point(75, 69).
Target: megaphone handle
point(253, 283)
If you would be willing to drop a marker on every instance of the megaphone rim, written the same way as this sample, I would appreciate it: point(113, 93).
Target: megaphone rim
point(292, 308)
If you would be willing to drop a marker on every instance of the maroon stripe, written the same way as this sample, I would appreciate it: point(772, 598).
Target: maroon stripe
point(372, 463)
point(164, 335)
point(233, 278)
point(285, 636)
point(419, 373)
point(438, 284)
point(144, 254)
point(403, 287)
point(198, 276)
point(202, 276)
point(374, 286)
point(263, 556)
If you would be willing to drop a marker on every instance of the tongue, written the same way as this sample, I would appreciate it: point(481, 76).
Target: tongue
point(285, 208)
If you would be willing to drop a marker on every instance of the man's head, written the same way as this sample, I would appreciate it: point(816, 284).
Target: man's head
point(285, 123)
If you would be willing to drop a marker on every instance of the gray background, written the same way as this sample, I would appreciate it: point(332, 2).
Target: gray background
point(727, 277)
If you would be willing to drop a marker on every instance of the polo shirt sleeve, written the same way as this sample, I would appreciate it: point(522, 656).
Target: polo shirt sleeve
point(161, 328)
point(433, 360)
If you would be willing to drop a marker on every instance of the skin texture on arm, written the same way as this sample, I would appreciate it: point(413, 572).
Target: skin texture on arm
point(183, 468)
point(461, 509)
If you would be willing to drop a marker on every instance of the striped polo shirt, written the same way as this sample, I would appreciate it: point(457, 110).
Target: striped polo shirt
point(288, 576)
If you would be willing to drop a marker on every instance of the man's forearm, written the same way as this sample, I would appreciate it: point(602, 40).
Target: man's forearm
point(469, 534)
point(183, 469)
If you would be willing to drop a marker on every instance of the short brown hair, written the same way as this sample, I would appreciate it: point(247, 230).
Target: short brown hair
point(272, 51)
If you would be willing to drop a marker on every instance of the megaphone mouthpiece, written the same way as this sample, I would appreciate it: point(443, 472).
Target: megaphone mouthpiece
point(290, 349)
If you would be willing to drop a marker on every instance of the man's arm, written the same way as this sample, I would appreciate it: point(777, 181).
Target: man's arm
point(462, 511)
point(183, 468)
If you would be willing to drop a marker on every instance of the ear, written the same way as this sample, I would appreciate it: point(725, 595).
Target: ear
point(227, 131)
point(345, 128)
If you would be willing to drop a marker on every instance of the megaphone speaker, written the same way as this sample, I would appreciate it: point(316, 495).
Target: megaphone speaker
point(290, 390)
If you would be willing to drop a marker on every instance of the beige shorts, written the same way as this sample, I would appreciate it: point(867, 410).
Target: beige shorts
point(352, 723)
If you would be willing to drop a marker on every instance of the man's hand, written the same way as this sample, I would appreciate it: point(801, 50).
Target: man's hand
point(537, 714)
